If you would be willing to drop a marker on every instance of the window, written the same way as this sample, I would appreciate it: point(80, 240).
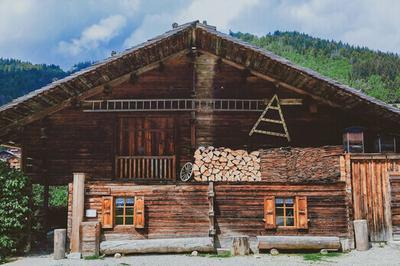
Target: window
point(284, 209)
point(124, 210)
point(353, 140)
point(285, 212)
point(385, 143)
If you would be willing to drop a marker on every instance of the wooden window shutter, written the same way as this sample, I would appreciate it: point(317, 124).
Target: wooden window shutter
point(301, 212)
point(107, 212)
point(269, 212)
point(138, 218)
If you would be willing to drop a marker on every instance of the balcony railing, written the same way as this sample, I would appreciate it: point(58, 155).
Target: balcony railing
point(145, 167)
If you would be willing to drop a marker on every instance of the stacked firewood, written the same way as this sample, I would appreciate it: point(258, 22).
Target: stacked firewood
point(224, 164)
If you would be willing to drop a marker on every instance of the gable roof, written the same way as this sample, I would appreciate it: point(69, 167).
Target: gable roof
point(143, 57)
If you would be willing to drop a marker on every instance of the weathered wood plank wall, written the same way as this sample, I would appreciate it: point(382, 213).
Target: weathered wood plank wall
point(183, 210)
point(170, 211)
point(239, 208)
point(395, 204)
point(371, 193)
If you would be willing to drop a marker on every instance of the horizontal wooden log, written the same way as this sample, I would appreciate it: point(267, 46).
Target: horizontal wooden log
point(298, 242)
point(172, 245)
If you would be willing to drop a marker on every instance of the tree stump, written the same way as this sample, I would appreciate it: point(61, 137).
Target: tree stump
point(240, 246)
point(59, 243)
point(361, 234)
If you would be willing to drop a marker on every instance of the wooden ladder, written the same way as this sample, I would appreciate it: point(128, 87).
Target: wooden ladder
point(281, 121)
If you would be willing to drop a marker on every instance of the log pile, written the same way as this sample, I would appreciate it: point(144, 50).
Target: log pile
point(294, 165)
point(224, 164)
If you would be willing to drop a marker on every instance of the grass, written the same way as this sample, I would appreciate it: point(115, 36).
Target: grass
point(315, 257)
point(213, 255)
point(94, 257)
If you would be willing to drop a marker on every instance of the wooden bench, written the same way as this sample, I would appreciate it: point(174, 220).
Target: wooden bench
point(170, 245)
point(275, 243)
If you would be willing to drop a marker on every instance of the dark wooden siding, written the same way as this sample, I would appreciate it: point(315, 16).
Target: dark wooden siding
point(395, 204)
point(240, 208)
point(182, 210)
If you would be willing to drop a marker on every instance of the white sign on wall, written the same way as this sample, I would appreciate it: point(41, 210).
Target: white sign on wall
point(91, 213)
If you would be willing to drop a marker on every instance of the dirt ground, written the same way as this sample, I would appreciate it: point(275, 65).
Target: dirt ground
point(387, 255)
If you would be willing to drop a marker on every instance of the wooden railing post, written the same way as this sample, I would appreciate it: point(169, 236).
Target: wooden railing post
point(146, 167)
point(78, 197)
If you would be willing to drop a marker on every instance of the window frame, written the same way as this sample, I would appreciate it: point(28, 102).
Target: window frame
point(284, 208)
point(300, 212)
point(124, 216)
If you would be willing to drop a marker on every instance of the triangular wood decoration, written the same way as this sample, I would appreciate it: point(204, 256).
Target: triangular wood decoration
point(262, 118)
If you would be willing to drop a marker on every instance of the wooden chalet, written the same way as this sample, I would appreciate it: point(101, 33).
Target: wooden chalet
point(269, 148)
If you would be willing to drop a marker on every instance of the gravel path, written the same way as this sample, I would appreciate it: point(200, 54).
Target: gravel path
point(376, 256)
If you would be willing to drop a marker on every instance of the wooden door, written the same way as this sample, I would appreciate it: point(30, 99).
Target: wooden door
point(371, 196)
point(141, 136)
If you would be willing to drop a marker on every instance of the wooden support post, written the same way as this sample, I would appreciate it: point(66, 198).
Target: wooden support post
point(240, 246)
point(345, 175)
point(78, 196)
point(60, 236)
point(361, 234)
point(211, 213)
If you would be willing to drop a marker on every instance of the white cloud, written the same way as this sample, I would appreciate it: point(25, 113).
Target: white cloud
point(95, 35)
point(216, 12)
point(38, 30)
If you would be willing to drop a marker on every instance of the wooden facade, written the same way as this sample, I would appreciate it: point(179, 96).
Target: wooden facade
point(133, 121)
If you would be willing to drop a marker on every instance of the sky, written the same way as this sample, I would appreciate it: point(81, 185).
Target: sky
point(65, 32)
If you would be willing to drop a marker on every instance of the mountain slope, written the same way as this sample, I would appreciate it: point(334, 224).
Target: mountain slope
point(18, 78)
point(375, 73)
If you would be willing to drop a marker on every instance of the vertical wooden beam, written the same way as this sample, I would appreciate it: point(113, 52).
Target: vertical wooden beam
point(211, 212)
point(78, 197)
point(347, 177)
point(387, 193)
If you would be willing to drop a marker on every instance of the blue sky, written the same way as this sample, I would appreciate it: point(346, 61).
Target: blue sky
point(65, 32)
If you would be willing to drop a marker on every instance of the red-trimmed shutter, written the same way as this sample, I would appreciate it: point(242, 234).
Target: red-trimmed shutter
point(301, 212)
point(107, 212)
point(139, 212)
point(269, 212)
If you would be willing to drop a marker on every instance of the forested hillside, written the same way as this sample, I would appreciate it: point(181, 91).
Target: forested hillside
point(18, 78)
point(375, 73)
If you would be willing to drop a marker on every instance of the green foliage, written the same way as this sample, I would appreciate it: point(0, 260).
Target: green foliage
point(18, 78)
point(94, 257)
point(320, 257)
point(375, 73)
point(14, 210)
point(58, 196)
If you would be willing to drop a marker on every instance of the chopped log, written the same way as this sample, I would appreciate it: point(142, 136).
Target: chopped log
point(361, 234)
point(298, 242)
point(240, 246)
point(60, 236)
point(171, 245)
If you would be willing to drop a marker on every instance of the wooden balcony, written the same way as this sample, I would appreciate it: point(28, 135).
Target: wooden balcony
point(145, 167)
